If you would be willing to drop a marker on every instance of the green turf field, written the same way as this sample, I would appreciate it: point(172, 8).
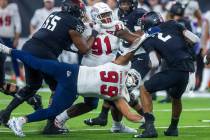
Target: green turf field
point(194, 110)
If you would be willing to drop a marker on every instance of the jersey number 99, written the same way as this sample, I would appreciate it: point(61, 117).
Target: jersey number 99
point(51, 22)
point(110, 77)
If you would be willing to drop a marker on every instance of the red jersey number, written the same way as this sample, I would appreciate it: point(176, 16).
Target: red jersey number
point(5, 21)
point(97, 46)
point(110, 77)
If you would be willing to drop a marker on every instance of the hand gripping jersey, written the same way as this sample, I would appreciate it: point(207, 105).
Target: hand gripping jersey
point(105, 81)
point(9, 21)
point(104, 49)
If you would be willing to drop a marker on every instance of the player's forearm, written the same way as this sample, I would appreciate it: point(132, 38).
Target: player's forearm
point(90, 42)
point(127, 35)
point(198, 15)
point(17, 36)
point(123, 59)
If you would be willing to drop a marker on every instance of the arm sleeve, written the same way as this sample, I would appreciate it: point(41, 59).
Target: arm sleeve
point(17, 19)
point(148, 46)
point(180, 27)
point(75, 24)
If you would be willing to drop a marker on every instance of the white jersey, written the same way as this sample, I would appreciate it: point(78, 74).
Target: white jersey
point(40, 16)
point(105, 81)
point(103, 50)
point(10, 22)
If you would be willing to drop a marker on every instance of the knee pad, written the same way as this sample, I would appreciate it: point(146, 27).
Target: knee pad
point(91, 102)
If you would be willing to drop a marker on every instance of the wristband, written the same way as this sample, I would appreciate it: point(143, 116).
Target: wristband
point(94, 33)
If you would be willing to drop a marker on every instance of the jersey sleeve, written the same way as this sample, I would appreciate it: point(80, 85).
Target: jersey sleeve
point(75, 24)
point(180, 27)
point(148, 45)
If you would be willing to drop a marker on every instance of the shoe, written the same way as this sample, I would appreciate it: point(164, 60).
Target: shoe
point(122, 129)
point(51, 129)
point(35, 102)
point(60, 123)
point(4, 117)
point(143, 126)
point(16, 127)
point(171, 132)
point(149, 132)
point(96, 121)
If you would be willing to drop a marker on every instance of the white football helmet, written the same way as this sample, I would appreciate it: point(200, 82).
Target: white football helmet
point(102, 14)
point(133, 80)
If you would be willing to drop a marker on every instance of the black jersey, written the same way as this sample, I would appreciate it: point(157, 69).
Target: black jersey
point(171, 45)
point(131, 21)
point(54, 33)
point(186, 23)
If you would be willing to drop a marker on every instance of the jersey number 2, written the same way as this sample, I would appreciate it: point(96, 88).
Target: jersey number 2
point(164, 39)
point(110, 77)
point(51, 22)
point(97, 46)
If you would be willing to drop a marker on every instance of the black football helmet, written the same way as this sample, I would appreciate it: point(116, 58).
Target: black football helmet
point(150, 20)
point(75, 7)
point(133, 5)
point(177, 9)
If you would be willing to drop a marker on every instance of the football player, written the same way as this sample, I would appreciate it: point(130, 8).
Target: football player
point(59, 31)
point(177, 13)
point(171, 43)
point(129, 14)
point(11, 89)
point(10, 29)
point(110, 81)
point(104, 50)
